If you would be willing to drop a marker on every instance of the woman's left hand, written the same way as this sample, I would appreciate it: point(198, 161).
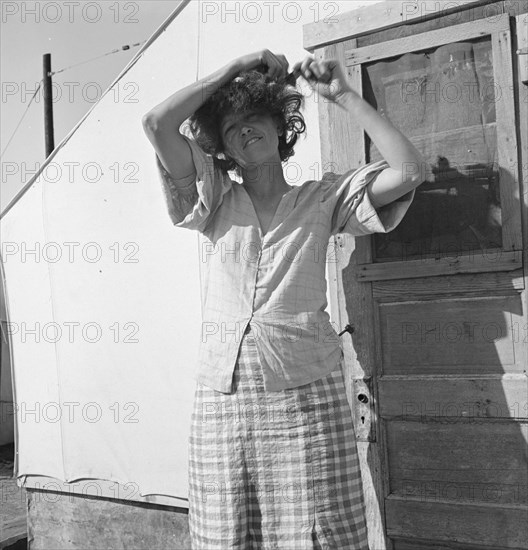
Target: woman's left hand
point(325, 77)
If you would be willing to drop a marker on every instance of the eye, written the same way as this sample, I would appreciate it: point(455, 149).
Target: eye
point(229, 129)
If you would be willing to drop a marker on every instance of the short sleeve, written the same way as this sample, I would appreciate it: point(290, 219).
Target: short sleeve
point(352, 212)
point(193, 206)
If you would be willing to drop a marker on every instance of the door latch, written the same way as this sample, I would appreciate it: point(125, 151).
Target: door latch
point(363, 409)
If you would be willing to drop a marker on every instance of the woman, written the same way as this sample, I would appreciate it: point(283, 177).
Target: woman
point(272, 454)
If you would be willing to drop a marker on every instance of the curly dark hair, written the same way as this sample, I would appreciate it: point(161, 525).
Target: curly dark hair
point(250, 92)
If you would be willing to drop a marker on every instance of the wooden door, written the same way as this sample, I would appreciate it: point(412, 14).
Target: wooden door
point(437, 361)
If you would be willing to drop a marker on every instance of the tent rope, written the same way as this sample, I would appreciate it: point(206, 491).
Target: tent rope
point(50, 73)
point(117, 50)
point(21, 119)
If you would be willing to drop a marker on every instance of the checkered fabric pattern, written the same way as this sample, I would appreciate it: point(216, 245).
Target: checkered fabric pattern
point(274, 470)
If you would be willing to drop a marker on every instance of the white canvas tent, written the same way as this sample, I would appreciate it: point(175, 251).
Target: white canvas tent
point(104, 314)
point(6, 392)
point(103, 355)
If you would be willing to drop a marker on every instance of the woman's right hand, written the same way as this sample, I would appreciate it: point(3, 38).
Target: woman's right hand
point(274, 66)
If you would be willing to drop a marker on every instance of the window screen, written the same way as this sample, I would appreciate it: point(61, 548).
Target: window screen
point(443, 100)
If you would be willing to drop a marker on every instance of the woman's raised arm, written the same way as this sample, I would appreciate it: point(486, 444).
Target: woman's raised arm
point(162, 123)
point(407, 166)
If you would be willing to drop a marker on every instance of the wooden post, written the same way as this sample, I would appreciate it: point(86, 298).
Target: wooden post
point(48, 104)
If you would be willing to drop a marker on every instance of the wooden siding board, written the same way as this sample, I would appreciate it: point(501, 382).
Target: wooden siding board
point(62, 522)
point(478, 262)
point(380, 16)
point(458, 336)
point(521, 24)
point(476, 13)
point(507, 141)
point(466, 284)
point(521, 101)
point(420, 544)
point(444, 450)
point(500, 527)
point(468, 399)
point(337, 131)
point(427, 40)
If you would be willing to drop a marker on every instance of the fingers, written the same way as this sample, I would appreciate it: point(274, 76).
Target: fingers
point(328, 70)
point(284, 63)
point(264, 61)
point(277, 64)
point(305, 67)
point(296, 69)
point(313, 70)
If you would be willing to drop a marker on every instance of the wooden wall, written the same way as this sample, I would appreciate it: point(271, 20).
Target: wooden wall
point(58, 520)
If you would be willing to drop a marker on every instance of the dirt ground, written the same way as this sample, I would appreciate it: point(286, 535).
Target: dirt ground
point(13, 520)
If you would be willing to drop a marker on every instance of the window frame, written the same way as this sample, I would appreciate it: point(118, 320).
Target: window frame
point(509, 256)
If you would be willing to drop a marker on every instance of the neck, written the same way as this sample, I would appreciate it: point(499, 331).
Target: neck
point(265, 180)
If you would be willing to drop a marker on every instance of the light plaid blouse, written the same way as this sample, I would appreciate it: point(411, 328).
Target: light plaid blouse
point(276, 281)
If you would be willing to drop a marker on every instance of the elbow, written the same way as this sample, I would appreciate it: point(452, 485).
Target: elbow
point(410, 184)
point(414, 181)
point(156, 125)
point(153, 126)
point(150, 123)
point(414, 172)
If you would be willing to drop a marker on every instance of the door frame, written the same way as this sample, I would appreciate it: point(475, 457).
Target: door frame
point(334, 41)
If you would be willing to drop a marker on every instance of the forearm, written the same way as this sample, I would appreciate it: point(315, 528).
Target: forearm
point(172, 112)
point(394, 147)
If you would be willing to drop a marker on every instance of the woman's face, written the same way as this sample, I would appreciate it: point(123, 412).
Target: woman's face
point(251, 138)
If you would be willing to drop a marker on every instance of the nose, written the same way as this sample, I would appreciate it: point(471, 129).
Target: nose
point(245, 130)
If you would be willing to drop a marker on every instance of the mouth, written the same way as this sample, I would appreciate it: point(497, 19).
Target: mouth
point(251, 141)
